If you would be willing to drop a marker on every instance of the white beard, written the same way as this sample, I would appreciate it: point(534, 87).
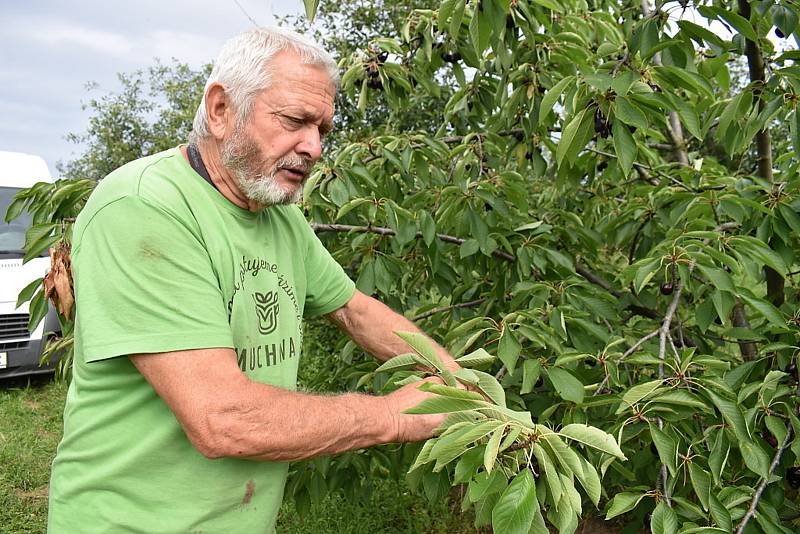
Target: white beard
point(238, 153)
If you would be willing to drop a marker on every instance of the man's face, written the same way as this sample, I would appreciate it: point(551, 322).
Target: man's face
point(272, 151)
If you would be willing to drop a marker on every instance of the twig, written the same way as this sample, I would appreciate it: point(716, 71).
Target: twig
point(757, 496)
point(453, 139)
point(643, 167)
point(246, 14)
point(627, 353)
point(448, 308)
point(501, 373)
point(319, 228)
point(664, 330)
point(595, 279)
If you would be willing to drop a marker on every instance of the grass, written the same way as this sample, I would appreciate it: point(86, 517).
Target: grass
point(31, 426)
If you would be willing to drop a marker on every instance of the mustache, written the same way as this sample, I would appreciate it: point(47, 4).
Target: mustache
point(296, 162)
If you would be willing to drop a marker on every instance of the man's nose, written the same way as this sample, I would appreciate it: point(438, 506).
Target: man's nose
point(310, 145)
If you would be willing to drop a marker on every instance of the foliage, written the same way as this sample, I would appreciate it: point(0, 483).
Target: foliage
point(602, 221)
point(626, 274)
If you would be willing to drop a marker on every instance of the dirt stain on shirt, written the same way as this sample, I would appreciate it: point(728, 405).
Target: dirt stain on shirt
point(148, 252)
point(248, 492)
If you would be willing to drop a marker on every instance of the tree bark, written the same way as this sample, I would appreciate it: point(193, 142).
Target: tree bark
point(755, 65)
point(674, 128)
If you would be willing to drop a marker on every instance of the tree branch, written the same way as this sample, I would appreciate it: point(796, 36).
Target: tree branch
point(674, 128)
point(319, 228)
point(434, 311)
point(627, 353)
point(757, 496)
point(755, 65)
point(747, 348)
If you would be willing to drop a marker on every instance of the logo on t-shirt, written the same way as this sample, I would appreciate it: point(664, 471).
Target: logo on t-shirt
point(267, 285)
point(267, 311)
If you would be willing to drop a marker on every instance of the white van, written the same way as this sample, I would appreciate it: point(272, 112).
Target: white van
point(20, 349)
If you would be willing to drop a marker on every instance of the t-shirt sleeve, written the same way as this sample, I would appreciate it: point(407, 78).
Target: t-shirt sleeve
point(329, 288)
point(144, 283)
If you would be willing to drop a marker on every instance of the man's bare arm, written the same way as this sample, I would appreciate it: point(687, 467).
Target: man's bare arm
point(225, 414)
point(372, 324)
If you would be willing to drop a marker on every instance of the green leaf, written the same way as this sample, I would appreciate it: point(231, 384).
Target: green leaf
point(720, 513)
point(311, 8)
point(457, 18)
point(701, 481)
point(445, 405)
point(548, 470)
point(790, 216)
point(629, 113)
point(530, 226)
point(475, 358)
point(767, 310)
point(480, 31)
point(718, 456)
point(469, 247)
point(427, 227)
point(399, 362)
point(493, 448)
point(508, 349)
point(667, 448)
point(15, 208)
point(785, 18)
point(590, 481)
point(758, 250)
point(593, 437)
point(732, 414)
point(755, 458)
point(664, 520)
point(490, 387)
point(623, 502)
point(27, 292)
point(37, 310)
point(449, 391)
point(647, 269)
point(719, 278)
point(624, 146)
point(741, 24)
point(681, 397)
point(551, 97)
point(568, 387)
point(450, 446)
point(575, 135)
point(514, 512)
point(637, 393)
point(531, 370)
point(423, 346)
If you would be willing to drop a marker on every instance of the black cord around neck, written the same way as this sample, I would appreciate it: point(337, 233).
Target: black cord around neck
point(197, 163)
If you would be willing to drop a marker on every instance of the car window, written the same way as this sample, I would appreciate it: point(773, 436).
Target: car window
point(12, 235)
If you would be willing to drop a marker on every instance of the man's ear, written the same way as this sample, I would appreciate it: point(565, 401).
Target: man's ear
point(218, 110)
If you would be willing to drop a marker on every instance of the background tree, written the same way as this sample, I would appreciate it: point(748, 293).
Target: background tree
point(604, 211)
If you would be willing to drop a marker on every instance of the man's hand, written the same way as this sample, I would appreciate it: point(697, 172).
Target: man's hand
point(411, 427)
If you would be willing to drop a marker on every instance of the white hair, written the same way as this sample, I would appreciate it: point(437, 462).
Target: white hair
point(242, 67)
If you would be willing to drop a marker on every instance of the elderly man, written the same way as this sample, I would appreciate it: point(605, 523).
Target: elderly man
point(193, 271)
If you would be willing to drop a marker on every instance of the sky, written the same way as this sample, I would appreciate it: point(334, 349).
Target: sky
point(50, 50)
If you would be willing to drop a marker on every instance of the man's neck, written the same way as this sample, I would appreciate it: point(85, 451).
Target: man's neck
point(222, 179)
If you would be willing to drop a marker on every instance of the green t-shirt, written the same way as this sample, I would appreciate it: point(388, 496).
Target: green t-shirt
point(163, 262)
